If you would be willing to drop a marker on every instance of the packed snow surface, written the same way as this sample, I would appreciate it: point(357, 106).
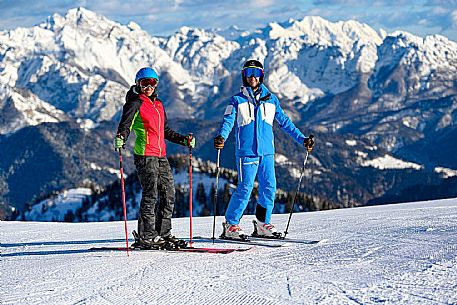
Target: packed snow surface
point(394, 254)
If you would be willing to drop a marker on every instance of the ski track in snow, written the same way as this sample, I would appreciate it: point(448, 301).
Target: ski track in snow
point(395, 254)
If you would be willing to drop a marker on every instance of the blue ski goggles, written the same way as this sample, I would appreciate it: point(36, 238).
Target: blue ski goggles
point(252, 71)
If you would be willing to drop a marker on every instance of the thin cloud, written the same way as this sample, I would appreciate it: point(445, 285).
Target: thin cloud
point(361, 3)
point(448, 3)
point(165, 17)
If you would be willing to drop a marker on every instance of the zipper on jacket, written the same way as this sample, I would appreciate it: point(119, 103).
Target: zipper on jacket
point(241, 171)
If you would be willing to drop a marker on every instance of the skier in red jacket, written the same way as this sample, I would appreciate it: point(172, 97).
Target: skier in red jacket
point(144, 113)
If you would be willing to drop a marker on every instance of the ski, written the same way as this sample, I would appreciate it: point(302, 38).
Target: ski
point(192, 250)
point(240, 242)
point(278, 237)
point(285, 240)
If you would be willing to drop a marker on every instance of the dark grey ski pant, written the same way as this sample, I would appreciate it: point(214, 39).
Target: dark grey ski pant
point(157, 184)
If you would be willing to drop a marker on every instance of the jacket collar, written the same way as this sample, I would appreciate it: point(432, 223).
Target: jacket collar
point(255, 96)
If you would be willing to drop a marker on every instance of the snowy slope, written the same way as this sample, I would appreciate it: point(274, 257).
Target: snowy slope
point(395, 254)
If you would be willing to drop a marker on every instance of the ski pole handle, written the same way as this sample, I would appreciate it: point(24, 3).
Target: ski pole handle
point(309, 143)
point(189, 139)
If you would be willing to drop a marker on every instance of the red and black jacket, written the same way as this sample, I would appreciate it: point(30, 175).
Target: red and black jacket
point(147, 117)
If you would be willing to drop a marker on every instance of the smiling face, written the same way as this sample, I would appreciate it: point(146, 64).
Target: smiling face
point(148, 86)
point(253, 82)
point(252, 76)
point(147, 90)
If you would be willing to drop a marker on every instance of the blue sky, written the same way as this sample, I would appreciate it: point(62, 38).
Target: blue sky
point(420, 17)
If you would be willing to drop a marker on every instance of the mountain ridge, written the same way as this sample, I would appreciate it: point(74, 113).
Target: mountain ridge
point(343, 81)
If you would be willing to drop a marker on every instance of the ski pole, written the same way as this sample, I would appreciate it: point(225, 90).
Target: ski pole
point(298, 189)
point(215, 193)
point(123, 202)
point(190, 190)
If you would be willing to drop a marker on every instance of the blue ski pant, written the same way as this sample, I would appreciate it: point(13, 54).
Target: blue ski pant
point(248, 168)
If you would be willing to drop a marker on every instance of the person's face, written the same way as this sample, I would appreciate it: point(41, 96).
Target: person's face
point(252, 75)
point(253, 82)
point(148, 86)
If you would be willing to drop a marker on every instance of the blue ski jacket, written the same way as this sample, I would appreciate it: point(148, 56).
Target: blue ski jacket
point(253, 114)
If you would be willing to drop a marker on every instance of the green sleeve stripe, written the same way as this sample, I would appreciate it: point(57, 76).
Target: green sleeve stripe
point(140, 132)
point(133, 121)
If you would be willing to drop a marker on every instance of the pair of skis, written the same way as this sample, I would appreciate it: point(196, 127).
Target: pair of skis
point(178, 250)
point(253, 241)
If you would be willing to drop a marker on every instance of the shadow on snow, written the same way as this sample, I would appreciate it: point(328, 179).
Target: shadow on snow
point(55, 243)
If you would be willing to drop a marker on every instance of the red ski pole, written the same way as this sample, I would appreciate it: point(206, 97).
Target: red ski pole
point(190, 190)
point(123, 203)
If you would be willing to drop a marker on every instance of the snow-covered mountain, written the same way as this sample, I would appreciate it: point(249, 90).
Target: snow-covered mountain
point(393, 254)
point(20, 108)
point(82, 63)
point(394, 94)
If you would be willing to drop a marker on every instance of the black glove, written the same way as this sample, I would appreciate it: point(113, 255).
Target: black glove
point(309, 143)
point(219, 142)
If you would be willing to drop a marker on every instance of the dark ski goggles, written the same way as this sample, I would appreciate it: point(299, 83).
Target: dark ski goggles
point(148, 82)
point(252, 71)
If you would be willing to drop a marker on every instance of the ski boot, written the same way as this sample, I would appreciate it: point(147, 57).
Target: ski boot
point(176, 242)
point(136, 244)
point(146, 244)
point(265, 230)
point(154, 243)
point(233, 232)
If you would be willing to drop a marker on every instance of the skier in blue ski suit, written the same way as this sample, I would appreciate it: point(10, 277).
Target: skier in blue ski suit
point(252, 112)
